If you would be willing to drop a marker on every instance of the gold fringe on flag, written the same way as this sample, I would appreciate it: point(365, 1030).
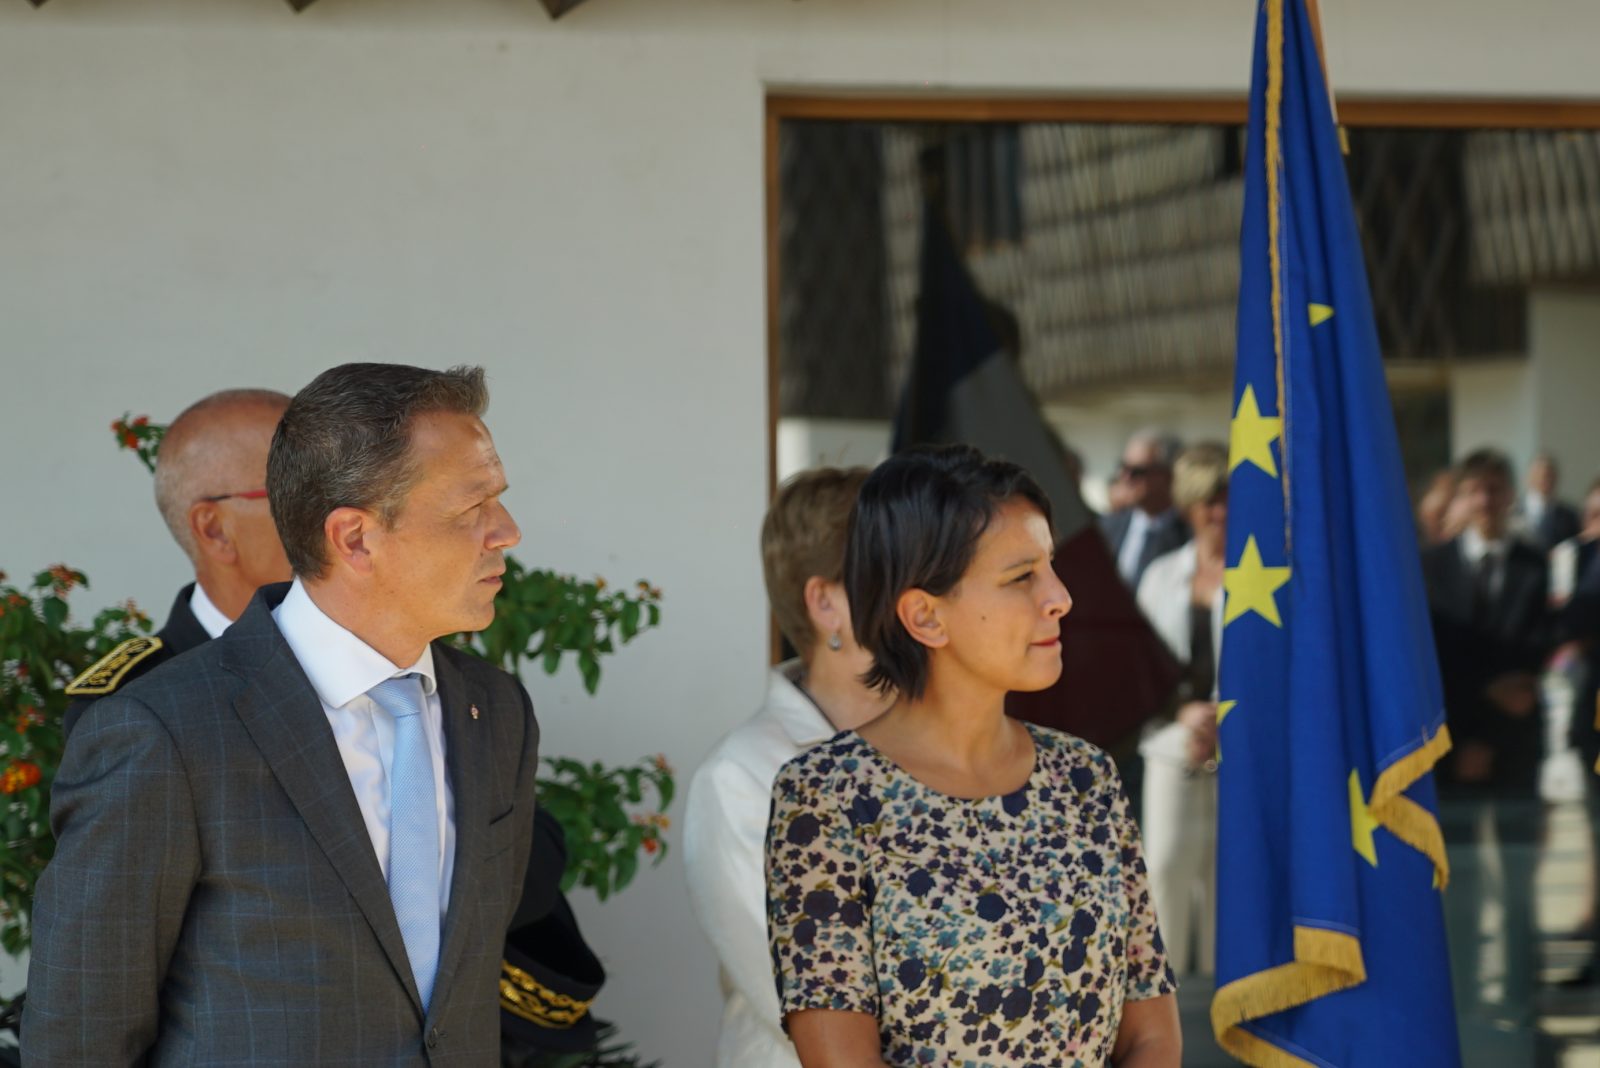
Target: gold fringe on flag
point(1324, 962)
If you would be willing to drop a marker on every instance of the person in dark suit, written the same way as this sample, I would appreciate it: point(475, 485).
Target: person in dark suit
point(1541, 516)
point(1488, 593)
point(302, 842)
point(1147, 525)
point(210, 474)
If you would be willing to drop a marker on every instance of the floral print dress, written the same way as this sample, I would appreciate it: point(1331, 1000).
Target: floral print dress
point(996, 931)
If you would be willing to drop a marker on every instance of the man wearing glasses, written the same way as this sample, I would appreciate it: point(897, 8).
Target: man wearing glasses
point(210, 478)
point(1147, 525)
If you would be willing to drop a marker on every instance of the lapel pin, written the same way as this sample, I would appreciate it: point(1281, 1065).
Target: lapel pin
point(474, 711)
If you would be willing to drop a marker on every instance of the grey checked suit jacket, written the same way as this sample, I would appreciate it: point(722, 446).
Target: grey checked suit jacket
point(215, 898)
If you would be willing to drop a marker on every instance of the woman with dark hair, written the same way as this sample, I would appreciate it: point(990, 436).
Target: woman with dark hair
point(946, 885)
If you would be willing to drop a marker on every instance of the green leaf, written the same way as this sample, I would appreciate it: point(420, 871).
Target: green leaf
point(627, 866)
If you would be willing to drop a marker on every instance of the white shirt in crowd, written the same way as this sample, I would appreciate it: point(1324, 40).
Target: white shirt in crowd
point(724, 844)
point(1474, 547)
point(207, 614)
point(1139, 524)
point(342, 668)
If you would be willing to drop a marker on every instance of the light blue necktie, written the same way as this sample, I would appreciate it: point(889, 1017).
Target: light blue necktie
point(413, 830)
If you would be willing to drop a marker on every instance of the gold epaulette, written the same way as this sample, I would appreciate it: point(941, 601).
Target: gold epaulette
point(525, 996)
point(107, 673)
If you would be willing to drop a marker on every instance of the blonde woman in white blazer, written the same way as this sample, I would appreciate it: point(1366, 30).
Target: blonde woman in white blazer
point(1181, 595)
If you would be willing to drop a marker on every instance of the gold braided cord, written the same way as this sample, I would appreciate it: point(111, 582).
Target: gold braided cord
point(524, 996)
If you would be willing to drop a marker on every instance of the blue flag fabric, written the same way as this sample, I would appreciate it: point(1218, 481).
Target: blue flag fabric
point(1330, 936)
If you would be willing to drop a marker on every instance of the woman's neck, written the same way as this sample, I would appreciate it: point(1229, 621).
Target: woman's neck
point(832, 685)
point(960, 720)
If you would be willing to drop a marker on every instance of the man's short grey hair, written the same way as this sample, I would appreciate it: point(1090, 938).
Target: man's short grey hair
point(1167, 446)
point(345, 442)
point(199, 457)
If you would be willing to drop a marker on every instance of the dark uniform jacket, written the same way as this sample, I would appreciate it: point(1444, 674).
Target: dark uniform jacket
point(136, 657)
point(1477, 643)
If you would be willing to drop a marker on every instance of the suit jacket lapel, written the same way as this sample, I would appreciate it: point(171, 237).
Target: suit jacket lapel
point(471, 778)
point(284, 717)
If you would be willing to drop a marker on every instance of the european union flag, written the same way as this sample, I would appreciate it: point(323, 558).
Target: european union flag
point(1330, 938)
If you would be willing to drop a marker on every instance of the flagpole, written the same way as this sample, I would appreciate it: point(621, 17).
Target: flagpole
point(1314, 12)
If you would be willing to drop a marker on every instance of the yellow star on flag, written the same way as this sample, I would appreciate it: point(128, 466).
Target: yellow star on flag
point(1361, 822)
point(1252, 587)
point(1252, 434)
point(1320, 313)
point(1223, 708)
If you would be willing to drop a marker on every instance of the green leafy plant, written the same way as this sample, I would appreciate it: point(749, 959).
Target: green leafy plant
point(41, 651)
point(601, 811)
point(541, 616)
point(138, 434)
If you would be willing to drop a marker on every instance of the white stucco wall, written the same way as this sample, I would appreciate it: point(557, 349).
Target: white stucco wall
point(208, 193)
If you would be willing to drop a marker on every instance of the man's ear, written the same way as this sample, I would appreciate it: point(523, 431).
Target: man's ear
point(918, 611)
point(345, 531)
point(211, 535)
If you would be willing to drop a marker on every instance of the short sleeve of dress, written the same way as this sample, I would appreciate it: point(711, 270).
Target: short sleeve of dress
point(819, 897)
point(1149, 974)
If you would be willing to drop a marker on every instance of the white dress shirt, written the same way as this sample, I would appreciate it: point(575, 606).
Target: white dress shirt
point(342, 668)
point(724, 846)
point(1474, 547)
point(207, 614)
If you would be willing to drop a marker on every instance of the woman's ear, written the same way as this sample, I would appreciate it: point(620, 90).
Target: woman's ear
point(211, 536)
point(346, 531)
point(918, 611)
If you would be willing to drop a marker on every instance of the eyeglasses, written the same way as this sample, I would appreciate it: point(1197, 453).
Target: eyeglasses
point(248, 495)
point(1137, 470)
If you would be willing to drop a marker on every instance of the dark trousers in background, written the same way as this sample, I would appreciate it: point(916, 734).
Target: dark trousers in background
point(1493, 848)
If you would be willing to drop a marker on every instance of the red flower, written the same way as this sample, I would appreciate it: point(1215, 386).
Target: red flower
point(660, 761)
point(143, 420)
point(28, 717)
point(650, 844)
point(129, 441)
point(19, 776)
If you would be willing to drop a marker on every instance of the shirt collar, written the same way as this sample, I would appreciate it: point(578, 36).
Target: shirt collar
point(340, 665)
point(207, 614)
point(800, 717)
point(1475, 547)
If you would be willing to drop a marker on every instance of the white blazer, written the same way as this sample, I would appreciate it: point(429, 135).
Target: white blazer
point(1164, 598)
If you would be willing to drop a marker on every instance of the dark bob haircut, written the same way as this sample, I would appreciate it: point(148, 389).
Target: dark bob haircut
point(916, 526)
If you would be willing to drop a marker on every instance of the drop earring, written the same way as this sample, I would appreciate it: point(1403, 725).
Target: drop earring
point(835, 642)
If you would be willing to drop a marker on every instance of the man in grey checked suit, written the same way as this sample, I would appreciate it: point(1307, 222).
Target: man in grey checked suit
point(301, 842)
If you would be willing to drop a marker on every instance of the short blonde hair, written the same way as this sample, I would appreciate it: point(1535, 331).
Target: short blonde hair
point(1199, 474)
point(803, 537)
